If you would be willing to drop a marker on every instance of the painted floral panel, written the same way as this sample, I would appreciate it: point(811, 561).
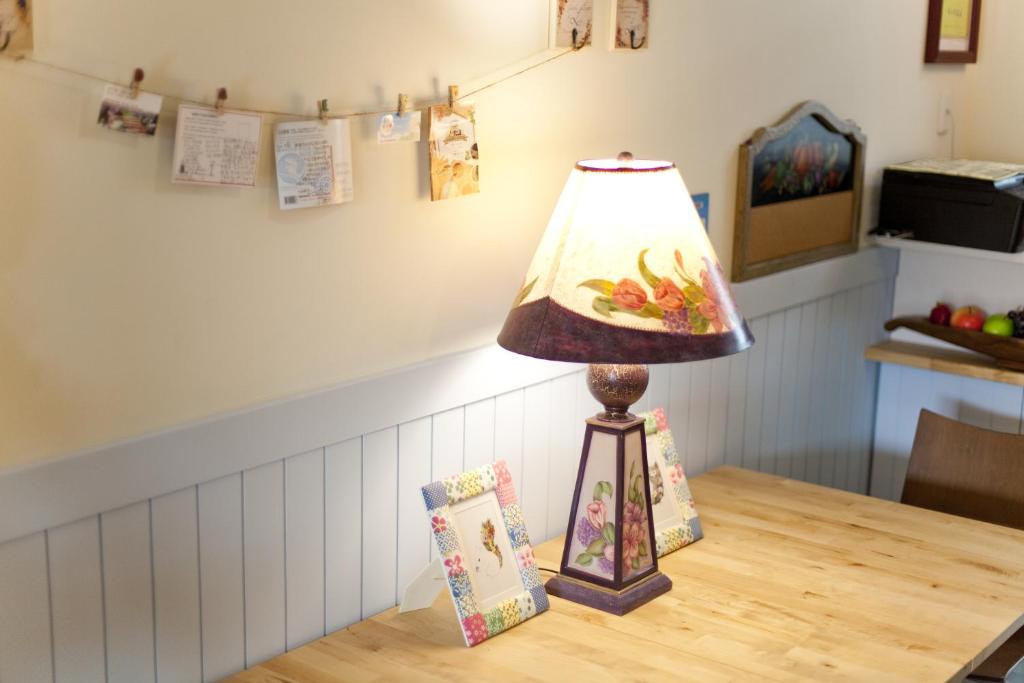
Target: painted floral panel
point(637, 544)
point(592, 550)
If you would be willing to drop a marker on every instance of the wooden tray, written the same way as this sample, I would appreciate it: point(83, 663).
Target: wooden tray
point(1007, 351)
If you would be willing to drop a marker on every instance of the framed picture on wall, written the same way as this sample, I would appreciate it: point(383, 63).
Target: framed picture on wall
point(952, 35)
point(488, 561)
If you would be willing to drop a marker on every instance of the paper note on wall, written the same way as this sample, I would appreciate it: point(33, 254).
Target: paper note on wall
point(956, 18)
point(314, 163)
point(216, 149)
point(121, 112)
point(454, 156)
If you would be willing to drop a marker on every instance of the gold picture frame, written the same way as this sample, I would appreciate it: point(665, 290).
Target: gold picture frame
point(799, 192)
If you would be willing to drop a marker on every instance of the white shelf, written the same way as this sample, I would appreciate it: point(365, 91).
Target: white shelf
point(933, 247)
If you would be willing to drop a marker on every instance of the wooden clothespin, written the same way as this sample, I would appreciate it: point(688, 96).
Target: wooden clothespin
point(222, 96)
point(321, 107)
point(453, 96)
point(137, 77)
point(403, 104)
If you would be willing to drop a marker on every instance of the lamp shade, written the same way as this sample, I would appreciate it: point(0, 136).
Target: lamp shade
point(625, 274)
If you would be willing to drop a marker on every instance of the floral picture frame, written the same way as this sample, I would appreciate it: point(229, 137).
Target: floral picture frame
point(486, 555)
point(676, 523)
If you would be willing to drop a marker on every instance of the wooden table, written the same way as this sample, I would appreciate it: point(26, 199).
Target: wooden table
point(792, 582)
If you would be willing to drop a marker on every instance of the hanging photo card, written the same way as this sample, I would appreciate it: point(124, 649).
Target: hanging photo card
point(632, 21)
point(398, 128)
point(216, 148)
point(15, 28)
point(314, 163)
point(454, 156)
point(126, 114)
point(574, 19)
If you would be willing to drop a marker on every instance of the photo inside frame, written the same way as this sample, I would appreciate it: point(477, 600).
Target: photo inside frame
point(489, 559)
point(664, 503)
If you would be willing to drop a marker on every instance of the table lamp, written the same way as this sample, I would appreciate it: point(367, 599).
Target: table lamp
point(624, 275)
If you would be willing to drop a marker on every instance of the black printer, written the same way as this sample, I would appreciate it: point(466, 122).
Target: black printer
point(976, 204)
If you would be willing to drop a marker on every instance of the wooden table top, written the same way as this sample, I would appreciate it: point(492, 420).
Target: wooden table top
point(792, 582)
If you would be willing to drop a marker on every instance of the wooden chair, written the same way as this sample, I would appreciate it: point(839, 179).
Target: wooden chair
point(975, 473)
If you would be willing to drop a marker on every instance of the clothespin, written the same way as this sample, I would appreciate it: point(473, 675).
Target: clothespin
point(222, 96)
point(403, 104)
point(453, 96)
point(137, 77)
point(321, 107)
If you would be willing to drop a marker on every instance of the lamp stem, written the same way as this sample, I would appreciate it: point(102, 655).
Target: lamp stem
point(617, 386)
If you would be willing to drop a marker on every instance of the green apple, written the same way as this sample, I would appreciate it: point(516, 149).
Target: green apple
point(999, 325)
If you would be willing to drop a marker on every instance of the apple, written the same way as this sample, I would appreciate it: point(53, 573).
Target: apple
point(941, 314)
point(968, 318)
point(999, 325)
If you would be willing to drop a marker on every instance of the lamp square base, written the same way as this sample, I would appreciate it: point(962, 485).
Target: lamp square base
point(605, 599)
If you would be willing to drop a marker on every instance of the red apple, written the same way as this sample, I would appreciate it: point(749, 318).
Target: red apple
point(968, 318)
point(941, 314)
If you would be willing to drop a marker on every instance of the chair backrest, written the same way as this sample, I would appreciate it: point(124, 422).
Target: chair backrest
point(966, 471)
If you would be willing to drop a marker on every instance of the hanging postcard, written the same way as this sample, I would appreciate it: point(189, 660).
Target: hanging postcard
point(216, 148)
point(314, 163)
point(126, 114)
point(454, 156)
point(574, 23)
point(395, 127)
point(15, 28)
point(632, 20)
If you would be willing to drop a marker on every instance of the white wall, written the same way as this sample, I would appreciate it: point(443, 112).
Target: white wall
point(129, 305)
point(995, 104)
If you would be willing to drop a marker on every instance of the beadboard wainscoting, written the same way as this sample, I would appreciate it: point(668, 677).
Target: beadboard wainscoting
point(192, 554)
point(904, 391)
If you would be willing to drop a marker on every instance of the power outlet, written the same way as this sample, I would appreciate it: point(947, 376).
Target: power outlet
point(945, 112)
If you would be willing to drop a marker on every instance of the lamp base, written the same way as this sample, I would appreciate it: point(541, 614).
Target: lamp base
point(609, 560)
point(605, 599)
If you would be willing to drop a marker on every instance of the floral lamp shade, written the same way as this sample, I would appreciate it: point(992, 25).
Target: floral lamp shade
point(625, 274)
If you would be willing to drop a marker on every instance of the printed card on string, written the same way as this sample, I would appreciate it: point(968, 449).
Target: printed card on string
point(121, 112)
point(314, 163)
point(454, 155)
point(15, 28)
point(216, 148)
point(392, 127)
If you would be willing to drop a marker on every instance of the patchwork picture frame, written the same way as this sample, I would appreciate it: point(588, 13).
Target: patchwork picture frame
point(676, 523)
point(485, 552)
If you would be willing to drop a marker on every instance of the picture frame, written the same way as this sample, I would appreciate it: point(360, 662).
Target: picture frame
point(676, 523)
point(952, 33)
point(488, 562)
point(800, 188)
